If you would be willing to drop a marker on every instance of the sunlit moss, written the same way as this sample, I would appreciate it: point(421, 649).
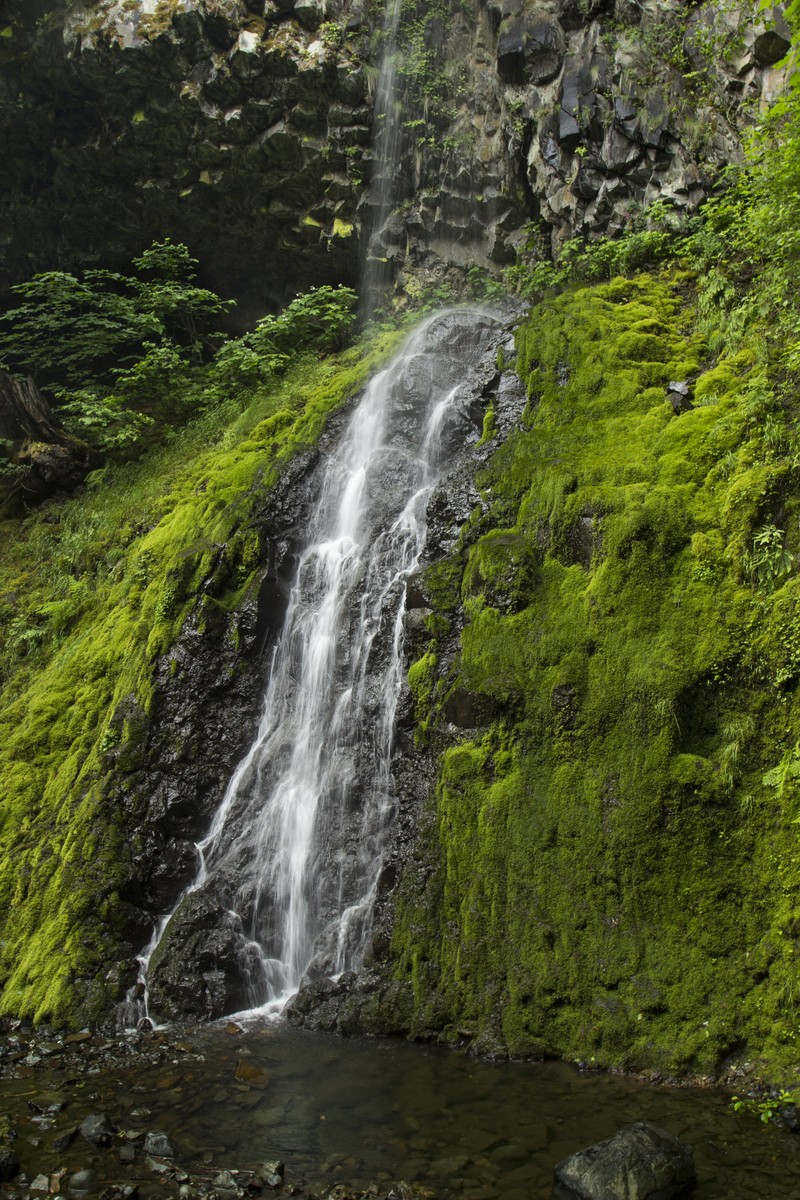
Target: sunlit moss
point(624, 886)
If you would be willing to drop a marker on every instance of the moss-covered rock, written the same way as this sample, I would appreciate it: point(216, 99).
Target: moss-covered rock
point(609, 869)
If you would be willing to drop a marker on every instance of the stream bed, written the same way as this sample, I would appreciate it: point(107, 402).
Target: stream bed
point(359, 1113)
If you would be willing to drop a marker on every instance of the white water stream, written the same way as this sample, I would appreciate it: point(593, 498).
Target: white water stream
point(296, 847)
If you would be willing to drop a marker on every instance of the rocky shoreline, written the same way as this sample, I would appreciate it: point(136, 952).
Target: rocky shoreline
point(60, 1135)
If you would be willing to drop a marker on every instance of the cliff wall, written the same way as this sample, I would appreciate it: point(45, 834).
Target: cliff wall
point(244, 129)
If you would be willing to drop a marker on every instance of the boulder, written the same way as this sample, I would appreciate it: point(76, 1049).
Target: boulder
point(158, 1144)
point(530, 50)
point(770, 47)
point(641, 1162)
point(9, 1164)
point(201, 966)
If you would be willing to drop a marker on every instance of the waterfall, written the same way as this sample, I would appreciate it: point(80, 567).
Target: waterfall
point(294, 852)
point(383, 191)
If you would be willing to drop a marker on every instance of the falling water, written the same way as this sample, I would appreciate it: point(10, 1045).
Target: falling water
point(295, 849)
point(385, 162)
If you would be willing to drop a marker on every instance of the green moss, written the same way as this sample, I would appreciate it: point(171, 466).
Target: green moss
point(611, 871)
point(422, 681)
point(102, 585)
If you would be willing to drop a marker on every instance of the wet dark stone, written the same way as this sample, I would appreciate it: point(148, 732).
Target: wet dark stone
point(97, 1129)
point(158, 1144)
point(788, 1117)
point(641, 1162)
point(680, 397)
point(200, 966)
point(64, 1140)
point(462, 709)
point(81, 1183)
point(770, 47)
point(543, 51)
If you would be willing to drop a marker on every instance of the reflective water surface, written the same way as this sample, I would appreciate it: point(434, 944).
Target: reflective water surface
point(361, 1111)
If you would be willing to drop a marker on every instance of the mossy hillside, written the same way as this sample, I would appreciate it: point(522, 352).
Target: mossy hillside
point(613, 868)
point(93, 591)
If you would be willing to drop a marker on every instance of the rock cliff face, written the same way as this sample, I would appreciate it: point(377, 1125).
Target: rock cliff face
point(244, 128)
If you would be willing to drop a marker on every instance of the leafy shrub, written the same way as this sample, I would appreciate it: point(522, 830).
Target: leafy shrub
point(75, 332)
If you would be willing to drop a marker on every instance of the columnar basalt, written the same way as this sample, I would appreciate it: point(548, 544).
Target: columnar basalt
point(243, 127)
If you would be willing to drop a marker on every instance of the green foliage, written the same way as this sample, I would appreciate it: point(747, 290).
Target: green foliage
point(769, 562)
point(102, 421)
point(766, 1108)
point(320, 321)
point(130, 349)
point(646, 243)
point(74, 331)
point(69, 329)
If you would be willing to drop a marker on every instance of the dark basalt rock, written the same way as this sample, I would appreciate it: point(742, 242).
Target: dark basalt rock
point(201, 964)
point(97, 1130)
point(249, 136)
point(680, 396)
point(770, 47)
point(9, 1164)
point(641, 1162)
point(530, 50)
point(158, 1143)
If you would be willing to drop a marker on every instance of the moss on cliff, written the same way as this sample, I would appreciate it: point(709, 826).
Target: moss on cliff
point(92, 591)
point(612, 872)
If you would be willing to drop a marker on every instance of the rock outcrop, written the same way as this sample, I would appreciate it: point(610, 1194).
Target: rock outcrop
point(245, 130)
point(641, 1162)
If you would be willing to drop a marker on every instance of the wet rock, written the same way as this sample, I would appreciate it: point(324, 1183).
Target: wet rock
point(530, 49)
point(249, 1073)
point(158, 1144)
point(225, 1182)
point(82, 1183)
point(270, 1174)
point(641, 1162)
point(770, 47)
point(200, 966)
point(97, 1129)
point(65, 1140)
point(788, 1117)
point(680, 396)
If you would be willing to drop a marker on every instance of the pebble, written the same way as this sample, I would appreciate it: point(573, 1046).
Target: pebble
point(158, 1144)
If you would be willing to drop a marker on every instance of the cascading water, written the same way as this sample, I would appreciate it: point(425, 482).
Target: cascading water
point(294, 852)
point(385, 172)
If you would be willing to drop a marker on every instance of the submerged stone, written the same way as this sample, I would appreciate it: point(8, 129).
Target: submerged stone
point(97, 1129)
point(158, 1143)
point(9, 1164)
point(641, 1162)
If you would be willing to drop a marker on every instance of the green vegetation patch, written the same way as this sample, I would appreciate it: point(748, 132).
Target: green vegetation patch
point(611, 869)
